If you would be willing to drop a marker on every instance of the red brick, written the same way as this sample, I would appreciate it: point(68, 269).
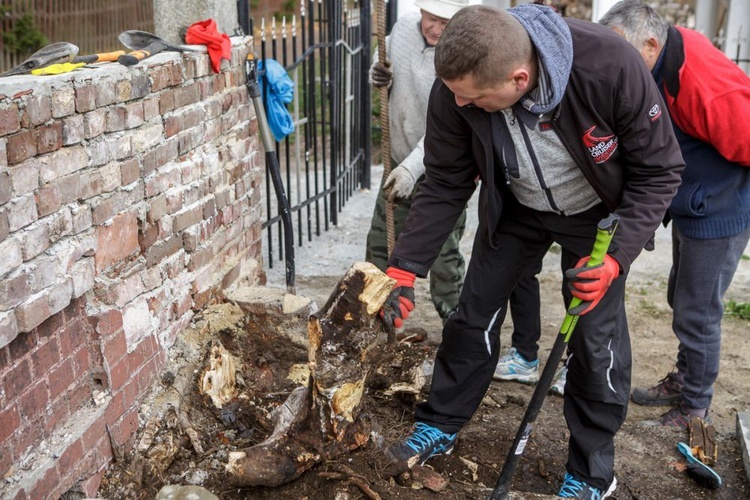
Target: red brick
point(48, 200)
point(124, 429)
point(21, 345)
point(147, 236)
point(73, 337)
point(116, 241)
point(29, 436)
point(72, 455)
point(85, 98)
point(32, 404)
point(21, 146)
point(175, 73)
point(81, 363)
point(61, 378)
point(6, 188)
point(166, 102)
point(38, 110)
point(93, 433)
point(159, 78)
point(115, 119)
point(90, 485)
point(58, 414)
point(103, 449)
point(130, 171)
point(122, 89)
point(118, 375)
point(130, 391)
point(6, 457)
point(21, 495)
point(163, 249)
point(107, 322)
point(52, 327)
point(44, 357)
point(134, 115)
point(115, 409)
point(9, 121)
point(10, 420)
point(44, 486)
point(148, 373)
point(15, 290)
point(32, 313)
point(49, 138)
point(114, 347)
point(79, 395)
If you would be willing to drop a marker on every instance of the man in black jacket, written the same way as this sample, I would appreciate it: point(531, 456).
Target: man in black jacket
point(560, 138)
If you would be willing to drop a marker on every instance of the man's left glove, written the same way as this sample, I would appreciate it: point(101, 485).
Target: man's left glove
point(400, 182)
point(591, 283)
point(381, 74)
point(400, 302)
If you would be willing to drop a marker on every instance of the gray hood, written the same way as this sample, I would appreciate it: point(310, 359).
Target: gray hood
point(554, 45)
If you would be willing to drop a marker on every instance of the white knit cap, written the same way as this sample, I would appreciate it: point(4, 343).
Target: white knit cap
point(441, 8)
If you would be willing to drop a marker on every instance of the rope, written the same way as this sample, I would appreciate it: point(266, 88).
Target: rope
point(385, 125)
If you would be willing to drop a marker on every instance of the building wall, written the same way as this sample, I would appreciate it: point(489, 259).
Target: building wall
point(129, 198)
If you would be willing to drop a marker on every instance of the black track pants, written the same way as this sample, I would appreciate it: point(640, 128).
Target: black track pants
point(596, 394)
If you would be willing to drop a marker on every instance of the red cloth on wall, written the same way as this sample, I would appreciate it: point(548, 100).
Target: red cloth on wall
point(218, 44)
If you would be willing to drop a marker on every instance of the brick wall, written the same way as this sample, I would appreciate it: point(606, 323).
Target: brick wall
point(129, 198)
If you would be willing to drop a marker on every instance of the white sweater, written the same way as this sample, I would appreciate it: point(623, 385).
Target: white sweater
point(413, 75)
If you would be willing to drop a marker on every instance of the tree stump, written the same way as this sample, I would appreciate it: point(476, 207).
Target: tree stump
point(323, 419)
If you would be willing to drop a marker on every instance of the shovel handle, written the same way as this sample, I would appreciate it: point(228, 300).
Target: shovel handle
point(133, 58)
point(94, 58)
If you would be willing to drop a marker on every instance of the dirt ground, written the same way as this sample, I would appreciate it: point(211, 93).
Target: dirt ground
point(648, 465)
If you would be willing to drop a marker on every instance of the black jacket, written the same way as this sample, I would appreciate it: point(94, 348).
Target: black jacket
point(613, 122)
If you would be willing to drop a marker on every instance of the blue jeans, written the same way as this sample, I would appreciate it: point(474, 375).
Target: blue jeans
point(702, 270)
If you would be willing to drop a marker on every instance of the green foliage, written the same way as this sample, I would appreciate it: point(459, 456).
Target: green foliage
point(745, 257)
point(24, 37)
point(739, 310)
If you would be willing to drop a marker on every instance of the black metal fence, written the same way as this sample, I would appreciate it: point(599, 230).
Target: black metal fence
point(325, 49)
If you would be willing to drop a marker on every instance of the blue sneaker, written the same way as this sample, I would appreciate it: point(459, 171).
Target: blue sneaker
point(573, 488)
point(425, 442)
point(513, 366)
point(558, 388)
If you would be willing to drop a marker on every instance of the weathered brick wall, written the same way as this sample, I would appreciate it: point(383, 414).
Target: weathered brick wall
point(129, 198)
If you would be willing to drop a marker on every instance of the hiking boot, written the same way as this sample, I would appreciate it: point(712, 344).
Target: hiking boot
point(425, 442)
point(573, 488)
point(680, 416)
point(558, 387)
point(513, 366)
point(667, 392)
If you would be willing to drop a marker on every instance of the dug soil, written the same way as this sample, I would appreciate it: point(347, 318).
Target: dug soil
point(648, 464)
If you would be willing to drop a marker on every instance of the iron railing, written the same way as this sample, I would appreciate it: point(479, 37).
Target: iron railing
point(325, 48)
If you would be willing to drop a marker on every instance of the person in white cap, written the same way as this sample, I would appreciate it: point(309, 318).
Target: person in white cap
point(409, 72)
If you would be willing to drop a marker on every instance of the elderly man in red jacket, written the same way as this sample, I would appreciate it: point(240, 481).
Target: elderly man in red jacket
point(708, 98)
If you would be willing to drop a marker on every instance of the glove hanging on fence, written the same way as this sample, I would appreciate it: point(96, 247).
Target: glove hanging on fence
point(280, 93)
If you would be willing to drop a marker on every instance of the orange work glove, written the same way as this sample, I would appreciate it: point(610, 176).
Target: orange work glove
point(591, 283)
point(400, 302)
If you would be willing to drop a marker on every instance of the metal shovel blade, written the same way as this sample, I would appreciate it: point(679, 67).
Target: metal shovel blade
point(54, 53)
point(139, 40)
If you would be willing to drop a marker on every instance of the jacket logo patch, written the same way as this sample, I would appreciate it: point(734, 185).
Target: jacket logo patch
point(600, 148)
point(654, 113)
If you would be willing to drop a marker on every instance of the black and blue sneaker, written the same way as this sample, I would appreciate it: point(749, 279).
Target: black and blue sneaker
point(425, 442)
point(573, 488)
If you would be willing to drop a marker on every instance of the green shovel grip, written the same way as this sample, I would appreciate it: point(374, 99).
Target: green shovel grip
point(605, 230)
